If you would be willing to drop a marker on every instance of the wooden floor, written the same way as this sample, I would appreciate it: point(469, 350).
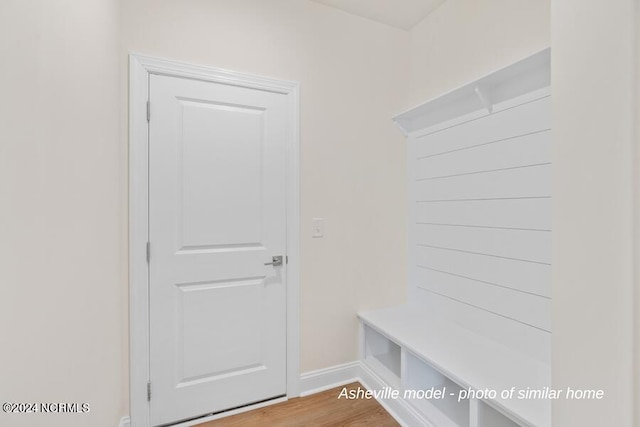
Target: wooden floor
point(321, 409)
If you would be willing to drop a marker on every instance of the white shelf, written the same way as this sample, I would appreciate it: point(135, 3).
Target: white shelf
point(468, 359)
point(527, 75)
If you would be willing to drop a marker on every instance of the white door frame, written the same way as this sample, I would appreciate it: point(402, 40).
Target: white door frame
point(140, 69)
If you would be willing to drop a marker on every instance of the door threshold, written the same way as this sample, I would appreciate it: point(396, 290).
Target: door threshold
point(227, 412)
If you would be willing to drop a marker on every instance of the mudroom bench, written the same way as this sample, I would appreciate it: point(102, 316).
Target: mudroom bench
point(412, 352)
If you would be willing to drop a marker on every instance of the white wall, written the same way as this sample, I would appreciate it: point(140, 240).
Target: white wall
point(506, 295)
point(466, 39)
point(62, 215)
point(593, 171)
point(636, 179)
point(63, 260)
point(352, 73)
point(594, 146)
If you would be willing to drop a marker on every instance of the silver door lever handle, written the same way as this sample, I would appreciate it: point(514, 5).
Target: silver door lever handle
point(276, 261)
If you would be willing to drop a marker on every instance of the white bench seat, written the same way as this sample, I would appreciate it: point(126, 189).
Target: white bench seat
point(469, 359)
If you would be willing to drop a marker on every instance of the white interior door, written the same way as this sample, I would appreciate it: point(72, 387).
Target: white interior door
point(217, 214)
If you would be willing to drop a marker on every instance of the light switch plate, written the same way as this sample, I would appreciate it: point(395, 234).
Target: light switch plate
point(318, 227)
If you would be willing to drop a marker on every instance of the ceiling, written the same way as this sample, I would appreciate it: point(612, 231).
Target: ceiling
point(403, 14)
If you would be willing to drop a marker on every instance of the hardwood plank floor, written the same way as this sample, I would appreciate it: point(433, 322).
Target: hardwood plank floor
point(321, 409)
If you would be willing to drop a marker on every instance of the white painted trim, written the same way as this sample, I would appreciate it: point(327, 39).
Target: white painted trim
point(138, 237)
point(166, 67)
point(293, 246)
point(140, 68)
point(339, 375)
point(324, 379)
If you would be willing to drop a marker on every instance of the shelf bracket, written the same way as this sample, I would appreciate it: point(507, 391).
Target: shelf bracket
point(484, 93)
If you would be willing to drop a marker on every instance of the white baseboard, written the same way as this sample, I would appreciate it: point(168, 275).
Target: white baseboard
point(336, 376)
point(328, 378)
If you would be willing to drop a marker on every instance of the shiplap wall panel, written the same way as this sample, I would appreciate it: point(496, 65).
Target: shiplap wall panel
point(534, 214)
point(480, 227)
point(534, 246)
point(514, 305)
point(530, 117)
point(528, 277)
point(524, 150)
point(533, 181)
point(518, 336)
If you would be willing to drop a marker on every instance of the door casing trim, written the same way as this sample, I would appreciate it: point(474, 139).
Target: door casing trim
point(140, 69)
